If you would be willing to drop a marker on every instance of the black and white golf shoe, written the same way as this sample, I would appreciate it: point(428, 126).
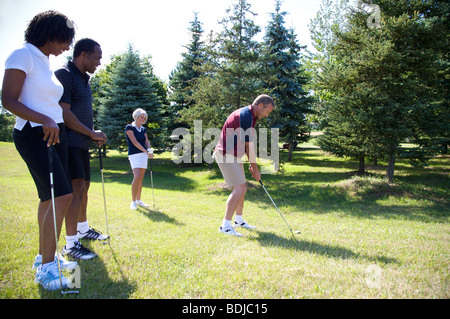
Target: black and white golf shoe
point(79, 252)
point(92, 234)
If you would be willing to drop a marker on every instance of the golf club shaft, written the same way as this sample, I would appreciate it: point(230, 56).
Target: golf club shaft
point(151, 178)
point(277, 208)
point(103, 187)
point(52, 191)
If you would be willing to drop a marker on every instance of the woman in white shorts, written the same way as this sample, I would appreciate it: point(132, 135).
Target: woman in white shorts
point(139, 152)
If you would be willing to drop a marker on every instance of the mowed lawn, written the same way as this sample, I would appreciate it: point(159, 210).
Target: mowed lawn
point(359, 237)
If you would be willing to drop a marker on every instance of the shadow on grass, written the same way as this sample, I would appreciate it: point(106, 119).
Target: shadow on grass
point(164, 174)
point(312, 192)
point(95, 278)
point(158, 216)
point(268, 239)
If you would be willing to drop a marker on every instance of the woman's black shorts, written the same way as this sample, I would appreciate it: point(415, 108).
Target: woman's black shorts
point(33, 149)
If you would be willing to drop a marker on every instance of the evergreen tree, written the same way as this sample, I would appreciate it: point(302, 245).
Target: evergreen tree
point(382, 80)
point(285, 78)
point(187, 71)
point(330, 18)
point(208, 92)
point(239, 54)
point(231, 74)
point(180, 79)
point(130, 87)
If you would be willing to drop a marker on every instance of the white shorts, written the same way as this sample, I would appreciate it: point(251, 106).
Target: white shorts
point(139, 160)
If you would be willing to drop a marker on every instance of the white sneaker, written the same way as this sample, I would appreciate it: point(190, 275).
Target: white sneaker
point(229, 231)
point(142, 204)
point(37, 261)
point(64, 263)
point(49, 277)
point(243, 224)
point(133, 205)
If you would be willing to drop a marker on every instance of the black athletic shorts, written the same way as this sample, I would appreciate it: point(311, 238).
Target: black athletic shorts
point(33, 149)
point(79, 163)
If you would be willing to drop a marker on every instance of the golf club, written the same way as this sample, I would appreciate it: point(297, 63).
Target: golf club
point(150, 150)
point(297, 232)
point(103, 186)
point(52, 191)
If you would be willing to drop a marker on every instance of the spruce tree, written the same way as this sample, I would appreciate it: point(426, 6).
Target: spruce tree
point(239, 54)
point(129, 87)
point(285, 78)
point(187, 71)
point(382, 80)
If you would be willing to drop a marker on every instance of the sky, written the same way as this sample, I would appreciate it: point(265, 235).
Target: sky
point(158, 28)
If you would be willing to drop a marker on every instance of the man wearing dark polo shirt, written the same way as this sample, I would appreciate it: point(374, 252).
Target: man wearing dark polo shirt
point(76, 103)
point(236, 140)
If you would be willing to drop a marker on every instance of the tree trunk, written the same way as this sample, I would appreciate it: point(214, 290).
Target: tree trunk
point(361, 168)
point(291, 148)
point(390, 167)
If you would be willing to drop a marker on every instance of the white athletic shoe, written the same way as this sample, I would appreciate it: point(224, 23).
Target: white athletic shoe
point(49, 277)
point(243, 224)
point(37, 261)
point(133, 205)
point(64, 263)
point(141, 203)
point(229, 231)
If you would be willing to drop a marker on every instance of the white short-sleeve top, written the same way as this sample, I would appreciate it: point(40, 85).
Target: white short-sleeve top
point(41, 89)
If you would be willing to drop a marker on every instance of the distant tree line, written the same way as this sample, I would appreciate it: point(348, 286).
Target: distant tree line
point(378, 76)
point(382, 78)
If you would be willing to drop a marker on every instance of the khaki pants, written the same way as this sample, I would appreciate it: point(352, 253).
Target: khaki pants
point(231, 167)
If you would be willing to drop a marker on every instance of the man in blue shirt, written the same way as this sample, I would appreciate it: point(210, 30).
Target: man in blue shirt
point(76, 103)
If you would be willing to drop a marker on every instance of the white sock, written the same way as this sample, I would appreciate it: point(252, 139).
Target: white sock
point(226, 223)
point(70, 241)
point(83, 227)
point(238, 219)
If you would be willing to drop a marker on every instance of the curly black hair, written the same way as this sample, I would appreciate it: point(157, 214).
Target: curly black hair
point(49, 26)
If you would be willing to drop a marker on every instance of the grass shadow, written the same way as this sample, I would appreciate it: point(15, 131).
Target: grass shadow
point(95, 278)
point(268, 239)
point(158, 216)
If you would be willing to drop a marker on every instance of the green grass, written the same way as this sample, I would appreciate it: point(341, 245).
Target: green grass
point(347, 224)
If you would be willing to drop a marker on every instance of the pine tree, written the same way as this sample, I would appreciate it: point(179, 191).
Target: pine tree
point(330, 18)
point(231, 74)
point(239, 54)
point(187, 71)
point(285, 77)
point(382, 80)
point(130, 87)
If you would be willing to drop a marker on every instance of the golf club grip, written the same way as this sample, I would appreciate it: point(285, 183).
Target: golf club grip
point(100, 157)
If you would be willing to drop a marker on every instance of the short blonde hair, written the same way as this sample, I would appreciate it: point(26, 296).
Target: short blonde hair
point(139, 112)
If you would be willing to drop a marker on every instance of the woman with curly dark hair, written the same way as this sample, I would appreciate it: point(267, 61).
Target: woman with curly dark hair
point(32, 92)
